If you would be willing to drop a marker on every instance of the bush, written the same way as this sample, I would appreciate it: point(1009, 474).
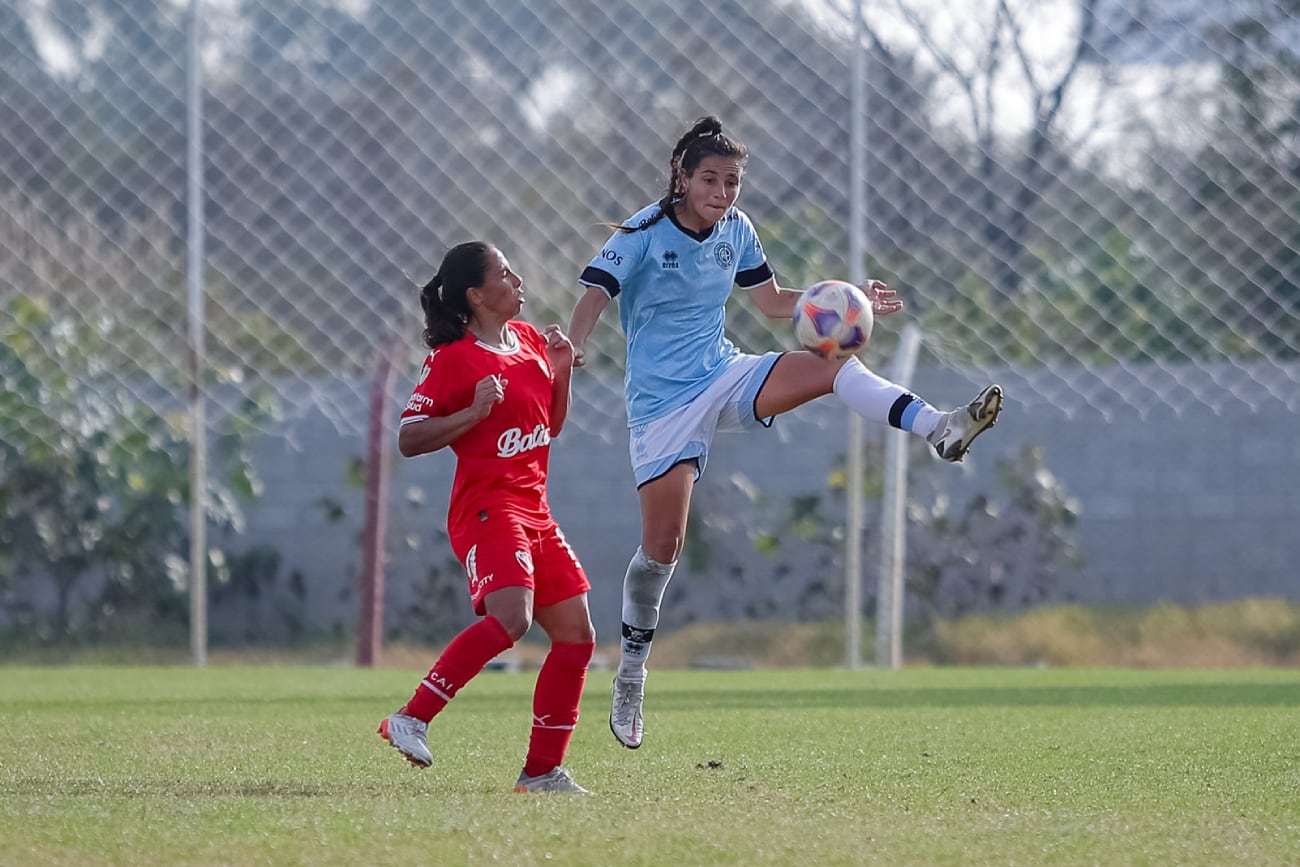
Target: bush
point(94, 485)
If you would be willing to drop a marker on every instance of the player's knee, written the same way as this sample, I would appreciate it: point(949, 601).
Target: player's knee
point(662, 548)
point(583, 634)
point(829, 370)
point(516, 620)
point(572, 627)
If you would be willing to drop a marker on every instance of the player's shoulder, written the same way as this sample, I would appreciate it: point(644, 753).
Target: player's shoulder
point(644, 217)
point(737, 218)
point(628, 244)
point(432, 366)
point(447, 353)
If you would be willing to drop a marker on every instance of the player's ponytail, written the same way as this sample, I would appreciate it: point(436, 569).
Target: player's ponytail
point(704, 138)
point(444, 299)
point(439, 326)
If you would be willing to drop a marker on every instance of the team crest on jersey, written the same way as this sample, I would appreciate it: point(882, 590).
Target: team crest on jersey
point(725, 255)
point(424, 373)
point(526, 560)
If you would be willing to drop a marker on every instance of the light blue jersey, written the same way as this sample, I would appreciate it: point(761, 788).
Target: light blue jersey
point(672, 286)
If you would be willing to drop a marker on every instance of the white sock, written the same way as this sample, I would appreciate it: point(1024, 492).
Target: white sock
point(879, 400)
point(643, 591)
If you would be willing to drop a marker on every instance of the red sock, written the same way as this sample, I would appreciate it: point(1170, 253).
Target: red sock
point(465, 657)
point(555, 705)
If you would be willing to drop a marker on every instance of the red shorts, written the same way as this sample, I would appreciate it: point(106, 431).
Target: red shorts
point(502, 552)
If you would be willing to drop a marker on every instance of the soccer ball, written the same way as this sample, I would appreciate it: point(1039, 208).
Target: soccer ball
point(833, 318)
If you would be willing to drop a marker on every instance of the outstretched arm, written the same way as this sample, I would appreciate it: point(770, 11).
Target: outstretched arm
point(774, 302)
point(583, 321)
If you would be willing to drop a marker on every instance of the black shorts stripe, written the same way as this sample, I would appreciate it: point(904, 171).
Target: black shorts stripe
point(765, 422)
point(695, 462)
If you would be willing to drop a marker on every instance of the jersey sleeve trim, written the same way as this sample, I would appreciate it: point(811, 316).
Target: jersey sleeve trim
point(752, 277)
point(593, 276)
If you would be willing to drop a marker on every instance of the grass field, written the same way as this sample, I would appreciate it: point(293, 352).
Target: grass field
point(245, 766)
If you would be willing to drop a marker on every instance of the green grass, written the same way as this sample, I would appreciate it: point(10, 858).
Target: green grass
point(247, 766)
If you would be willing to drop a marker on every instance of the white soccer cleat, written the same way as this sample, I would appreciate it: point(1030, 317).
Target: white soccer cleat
point(625, 715)
point(953, 437)
point(556, 780)
point(410, 737)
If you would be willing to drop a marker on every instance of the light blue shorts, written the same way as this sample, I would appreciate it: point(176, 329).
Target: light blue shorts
point(686, 433)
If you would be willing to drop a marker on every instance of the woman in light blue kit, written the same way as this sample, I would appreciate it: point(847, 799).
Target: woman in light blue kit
point(672, 266)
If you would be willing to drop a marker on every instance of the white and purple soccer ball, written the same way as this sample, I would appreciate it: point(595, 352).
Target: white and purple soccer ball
point(833, 318)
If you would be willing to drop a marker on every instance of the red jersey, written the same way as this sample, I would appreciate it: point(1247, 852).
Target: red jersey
point(501, 461)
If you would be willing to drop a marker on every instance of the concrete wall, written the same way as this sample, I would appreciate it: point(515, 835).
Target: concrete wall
point(1196, 506)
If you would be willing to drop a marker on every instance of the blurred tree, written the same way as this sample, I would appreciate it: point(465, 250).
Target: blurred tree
point(1012, 547)
point(988, 46)
point(1245, 182)
point(93, 485)
point(128, 77)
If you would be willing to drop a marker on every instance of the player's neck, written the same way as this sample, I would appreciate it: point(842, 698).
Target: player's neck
point(494, 334)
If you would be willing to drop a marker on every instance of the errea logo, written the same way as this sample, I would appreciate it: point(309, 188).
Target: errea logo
point(670, 260)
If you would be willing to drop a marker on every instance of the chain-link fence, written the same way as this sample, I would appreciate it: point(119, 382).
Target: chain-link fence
point(1063, 187)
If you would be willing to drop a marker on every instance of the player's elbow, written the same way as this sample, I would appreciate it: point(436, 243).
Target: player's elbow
point(408, 444)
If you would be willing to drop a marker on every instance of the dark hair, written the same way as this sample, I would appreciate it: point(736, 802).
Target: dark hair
point(446, 307)
point(705, 138)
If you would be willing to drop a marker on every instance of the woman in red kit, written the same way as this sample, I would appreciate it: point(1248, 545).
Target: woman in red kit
point(496, 390)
